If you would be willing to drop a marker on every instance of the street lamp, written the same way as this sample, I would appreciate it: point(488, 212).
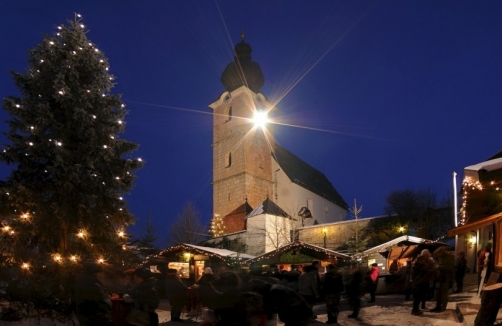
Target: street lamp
point(325, 232)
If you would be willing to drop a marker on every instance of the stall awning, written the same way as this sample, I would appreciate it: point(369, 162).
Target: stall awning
point(401, 252)
point(405, 240)
point(466, 228)
point(273, 257)
point(208, 251)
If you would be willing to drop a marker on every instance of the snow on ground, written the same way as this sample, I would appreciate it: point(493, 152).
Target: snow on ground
point(389, 310)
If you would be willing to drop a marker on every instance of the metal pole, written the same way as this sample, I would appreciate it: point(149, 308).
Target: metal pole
point(455, 209)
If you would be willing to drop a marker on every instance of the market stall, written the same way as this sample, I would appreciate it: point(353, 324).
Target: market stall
point(297, 254)
point(397, 254)
point(190, 260)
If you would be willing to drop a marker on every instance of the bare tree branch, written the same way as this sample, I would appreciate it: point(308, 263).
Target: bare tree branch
point(187, 228)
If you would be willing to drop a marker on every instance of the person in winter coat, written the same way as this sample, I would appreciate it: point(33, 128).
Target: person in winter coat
point(208, 294)
point(291, 308)
point(422, 272)
point(93, 304)
point(460, 266)
point(372, 281)
point(230, 308)
point(408, 288)
point(176, 292)
point(354, 293)
point(145, 296)
point(485, 262)
point(307, 285)
point(290, 278)
point(444, 277)
point(333, 288)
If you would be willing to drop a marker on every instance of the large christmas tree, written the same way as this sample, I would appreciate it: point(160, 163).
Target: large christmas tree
point(62, 202)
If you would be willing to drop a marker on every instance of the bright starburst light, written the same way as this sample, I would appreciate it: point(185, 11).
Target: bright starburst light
point(260, 119)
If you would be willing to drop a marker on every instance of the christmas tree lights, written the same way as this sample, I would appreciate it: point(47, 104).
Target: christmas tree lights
point(217, 226)
point(62, 203)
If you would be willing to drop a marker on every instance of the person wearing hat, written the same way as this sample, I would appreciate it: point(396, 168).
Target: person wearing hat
point(207, 291)
point(145, 295)
point(93, 305)
point(176, 292)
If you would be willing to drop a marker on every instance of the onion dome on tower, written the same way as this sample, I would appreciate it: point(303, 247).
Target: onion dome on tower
point(242, 71)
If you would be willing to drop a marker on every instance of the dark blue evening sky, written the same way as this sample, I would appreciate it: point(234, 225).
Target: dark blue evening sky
point(389, 94)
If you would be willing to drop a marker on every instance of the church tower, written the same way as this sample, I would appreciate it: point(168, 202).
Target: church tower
point(242, 151)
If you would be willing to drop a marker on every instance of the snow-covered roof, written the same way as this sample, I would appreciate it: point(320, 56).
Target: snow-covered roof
point(268, 207)
point(223, 253)
point(313, 250)
point(490, 165)
point(402, 239)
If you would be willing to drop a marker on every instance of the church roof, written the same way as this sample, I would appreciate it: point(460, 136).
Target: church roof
point(268, 207)
point(242, 71)
point(304, 175)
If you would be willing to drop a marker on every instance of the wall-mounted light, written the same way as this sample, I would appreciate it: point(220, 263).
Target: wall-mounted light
point(472, 240)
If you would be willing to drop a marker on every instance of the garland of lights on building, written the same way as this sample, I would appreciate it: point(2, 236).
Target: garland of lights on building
point(468, 186)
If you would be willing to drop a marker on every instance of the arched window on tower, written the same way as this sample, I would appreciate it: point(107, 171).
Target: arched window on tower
point(228, 160)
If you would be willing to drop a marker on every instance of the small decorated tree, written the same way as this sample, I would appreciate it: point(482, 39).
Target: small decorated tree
point(217, 226)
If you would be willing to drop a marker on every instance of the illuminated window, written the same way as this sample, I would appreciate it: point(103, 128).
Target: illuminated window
point(182, 269)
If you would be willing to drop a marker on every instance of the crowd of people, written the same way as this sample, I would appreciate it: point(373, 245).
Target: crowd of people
point(434, 275)
point(93, 302)
point(254, 297)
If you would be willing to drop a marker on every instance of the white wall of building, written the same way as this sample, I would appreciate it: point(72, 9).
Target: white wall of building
point(291, 197)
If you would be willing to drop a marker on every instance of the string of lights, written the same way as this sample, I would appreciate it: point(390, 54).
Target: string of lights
point(470, 187)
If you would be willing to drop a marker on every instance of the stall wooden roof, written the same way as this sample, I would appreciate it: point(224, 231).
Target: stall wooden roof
point(473, 226)
point(405, 240)
point(272, 257)
point(208, 251)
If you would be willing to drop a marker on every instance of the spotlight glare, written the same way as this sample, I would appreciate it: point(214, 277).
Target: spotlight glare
point(260, 119)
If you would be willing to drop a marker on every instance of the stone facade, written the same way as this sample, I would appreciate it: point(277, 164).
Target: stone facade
point(337, 234)
point(242, 164)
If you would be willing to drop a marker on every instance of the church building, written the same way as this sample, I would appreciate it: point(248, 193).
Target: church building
point(260, 189)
